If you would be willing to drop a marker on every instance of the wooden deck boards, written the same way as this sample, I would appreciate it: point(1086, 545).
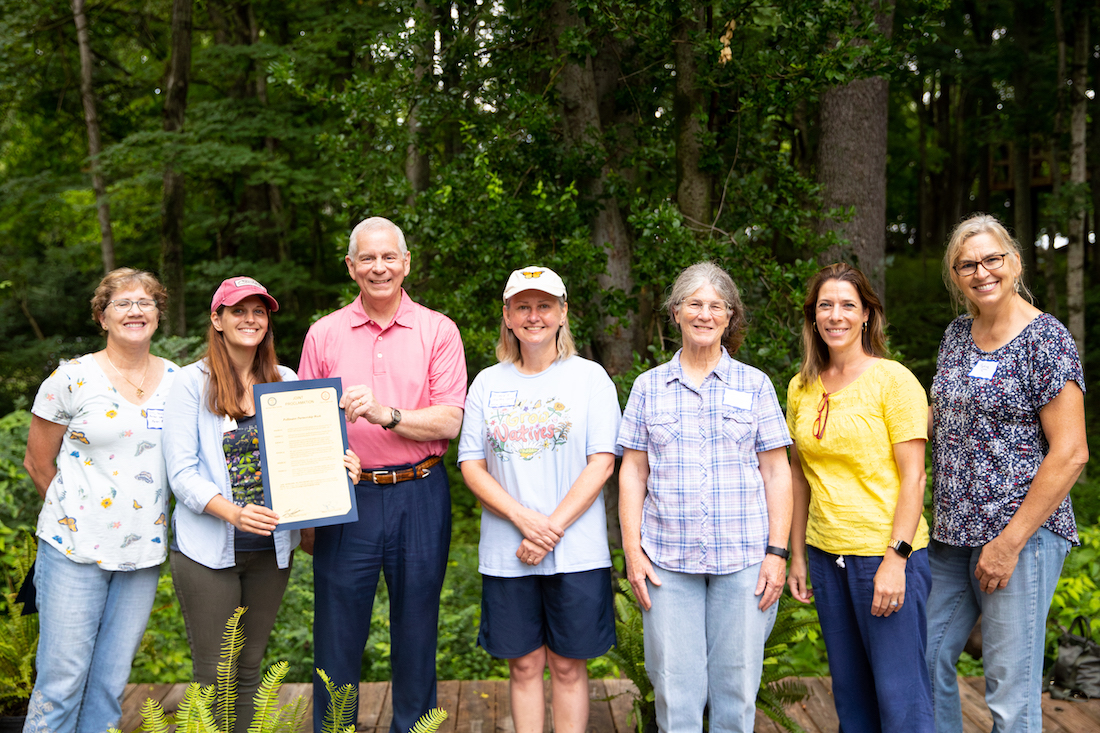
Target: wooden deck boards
point(483, 706)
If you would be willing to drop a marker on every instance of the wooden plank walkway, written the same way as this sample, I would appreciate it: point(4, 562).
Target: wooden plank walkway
point(483, 706)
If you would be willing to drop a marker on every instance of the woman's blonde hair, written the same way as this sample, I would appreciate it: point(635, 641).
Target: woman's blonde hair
point(508, 345)
point(967, 228)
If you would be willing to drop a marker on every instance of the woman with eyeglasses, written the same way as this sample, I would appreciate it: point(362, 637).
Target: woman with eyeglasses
point(94, 454)
point(860, 423)
point(705, 510)
point(227, 548)
point(1008, 443)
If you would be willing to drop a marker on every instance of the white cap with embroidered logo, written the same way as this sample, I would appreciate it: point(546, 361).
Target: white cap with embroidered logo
point(534, 278)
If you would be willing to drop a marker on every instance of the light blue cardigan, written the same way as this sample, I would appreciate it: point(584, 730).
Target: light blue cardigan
point(197, 472)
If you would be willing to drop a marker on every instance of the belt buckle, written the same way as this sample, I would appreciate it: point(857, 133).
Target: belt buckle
point(375, 474)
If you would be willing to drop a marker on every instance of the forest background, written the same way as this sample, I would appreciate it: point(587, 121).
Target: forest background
point(615, 142)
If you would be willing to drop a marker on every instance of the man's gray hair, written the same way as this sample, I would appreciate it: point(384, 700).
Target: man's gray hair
point(372, 224)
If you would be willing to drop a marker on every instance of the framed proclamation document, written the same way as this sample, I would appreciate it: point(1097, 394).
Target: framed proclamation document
point(302, 442)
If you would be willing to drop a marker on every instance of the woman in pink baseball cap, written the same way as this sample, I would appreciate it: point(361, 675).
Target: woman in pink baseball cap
point(227, 550)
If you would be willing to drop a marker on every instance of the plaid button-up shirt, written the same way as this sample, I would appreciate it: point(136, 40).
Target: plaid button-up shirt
point(705, 510)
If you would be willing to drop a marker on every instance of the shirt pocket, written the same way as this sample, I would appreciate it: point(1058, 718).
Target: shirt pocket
point(664, 428)
point(739, 430)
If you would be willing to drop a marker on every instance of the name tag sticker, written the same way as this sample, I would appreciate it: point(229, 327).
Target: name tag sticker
point(738, 398)
point(154, 419)
point(228, 424)
point(503, 399)
point(984, 369)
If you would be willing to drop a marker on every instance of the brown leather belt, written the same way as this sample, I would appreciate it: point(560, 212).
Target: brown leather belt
point(420, 470)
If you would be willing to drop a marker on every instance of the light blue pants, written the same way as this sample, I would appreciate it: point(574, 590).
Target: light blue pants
point(91, 623)
point(704, 640)
point(1013, 631)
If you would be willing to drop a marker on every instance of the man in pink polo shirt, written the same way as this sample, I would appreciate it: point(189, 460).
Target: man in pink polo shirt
point(404, 375)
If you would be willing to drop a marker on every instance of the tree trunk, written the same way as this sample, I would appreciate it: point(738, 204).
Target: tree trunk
point(851, 164)
point(87, 97)
point(417, 171)
point(1021, 161)
point(576, 87)
point(1050, 271)
point(693, 186)
point(1075, 261)
point(175, 186)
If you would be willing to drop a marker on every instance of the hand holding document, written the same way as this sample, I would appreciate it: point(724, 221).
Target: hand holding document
point(302, 444)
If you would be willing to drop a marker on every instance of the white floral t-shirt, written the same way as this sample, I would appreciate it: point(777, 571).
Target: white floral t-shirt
point(107, 503)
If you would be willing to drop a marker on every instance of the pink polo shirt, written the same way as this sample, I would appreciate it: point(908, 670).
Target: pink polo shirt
point(417, 361)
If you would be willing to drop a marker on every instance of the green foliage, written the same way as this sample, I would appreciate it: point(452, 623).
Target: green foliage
point(19, 500)
point(1077, 593)
point(341, 706)
point(225, 700)
point(629, 654)
point(18, 633)
point(430, 721)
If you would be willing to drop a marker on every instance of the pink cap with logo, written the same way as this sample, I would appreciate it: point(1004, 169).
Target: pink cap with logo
point(235, 289)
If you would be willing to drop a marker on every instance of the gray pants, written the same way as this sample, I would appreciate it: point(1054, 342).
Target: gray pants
point(208, 598)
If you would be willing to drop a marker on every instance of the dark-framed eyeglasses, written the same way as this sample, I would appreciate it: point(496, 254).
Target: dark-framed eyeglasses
point(990, 263)
point(123, 306)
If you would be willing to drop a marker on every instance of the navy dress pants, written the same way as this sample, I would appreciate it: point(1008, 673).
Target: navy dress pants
point(404, 531)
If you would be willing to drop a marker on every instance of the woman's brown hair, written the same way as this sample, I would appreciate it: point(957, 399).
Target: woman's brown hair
point(226, 389)
point(815, 354)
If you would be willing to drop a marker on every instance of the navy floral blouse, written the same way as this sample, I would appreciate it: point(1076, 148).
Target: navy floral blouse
point(987, 439)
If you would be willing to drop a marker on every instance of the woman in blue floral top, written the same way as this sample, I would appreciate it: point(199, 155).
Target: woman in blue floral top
point(94, 454)
point(1008, 442)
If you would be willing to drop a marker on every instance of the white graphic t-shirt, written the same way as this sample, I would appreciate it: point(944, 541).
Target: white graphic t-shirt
point(535, 433)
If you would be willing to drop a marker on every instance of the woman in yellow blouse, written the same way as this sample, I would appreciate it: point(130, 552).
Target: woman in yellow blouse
point(859, 424)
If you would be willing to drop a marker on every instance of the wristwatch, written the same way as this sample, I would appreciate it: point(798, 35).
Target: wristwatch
point(396, 419)
point(777, 551)
point(901, 547)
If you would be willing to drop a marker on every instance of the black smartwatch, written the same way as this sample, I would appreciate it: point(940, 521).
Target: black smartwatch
point(396, 419)
point(777, 551)
point(901, 547)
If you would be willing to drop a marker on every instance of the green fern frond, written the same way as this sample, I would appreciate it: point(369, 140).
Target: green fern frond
point(266, 700)
point(153, 719)
point(341, 705)
point(193, 714)
point(232, 644)
point(430, 721)
point(291, 716)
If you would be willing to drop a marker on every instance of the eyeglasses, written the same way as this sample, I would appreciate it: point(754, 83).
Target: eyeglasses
point(695, 307)
point(822, 416)
point(124, 306)
point(990, 263)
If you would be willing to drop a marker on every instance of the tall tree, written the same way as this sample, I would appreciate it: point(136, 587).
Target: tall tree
point(91, 122)
point(1075, 259)
point(175, 185)
point(577, 90)
point(693, 185)
point(851, 163)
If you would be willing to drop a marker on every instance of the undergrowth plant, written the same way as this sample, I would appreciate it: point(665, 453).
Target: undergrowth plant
point(776, 690)
point(210, 709)
point(18, 633)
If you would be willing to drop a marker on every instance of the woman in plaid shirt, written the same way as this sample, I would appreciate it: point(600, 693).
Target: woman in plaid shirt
point(705, 508)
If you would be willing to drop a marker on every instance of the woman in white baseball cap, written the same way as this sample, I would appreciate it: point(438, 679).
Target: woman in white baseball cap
point(537, 445)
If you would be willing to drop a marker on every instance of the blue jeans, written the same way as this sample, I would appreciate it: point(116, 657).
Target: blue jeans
point(404, 531)
point(91, 623)
point(704, 640)
point(874, 654)
point(1013, 631)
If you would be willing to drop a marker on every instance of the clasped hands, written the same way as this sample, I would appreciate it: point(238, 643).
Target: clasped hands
point(540, 535)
